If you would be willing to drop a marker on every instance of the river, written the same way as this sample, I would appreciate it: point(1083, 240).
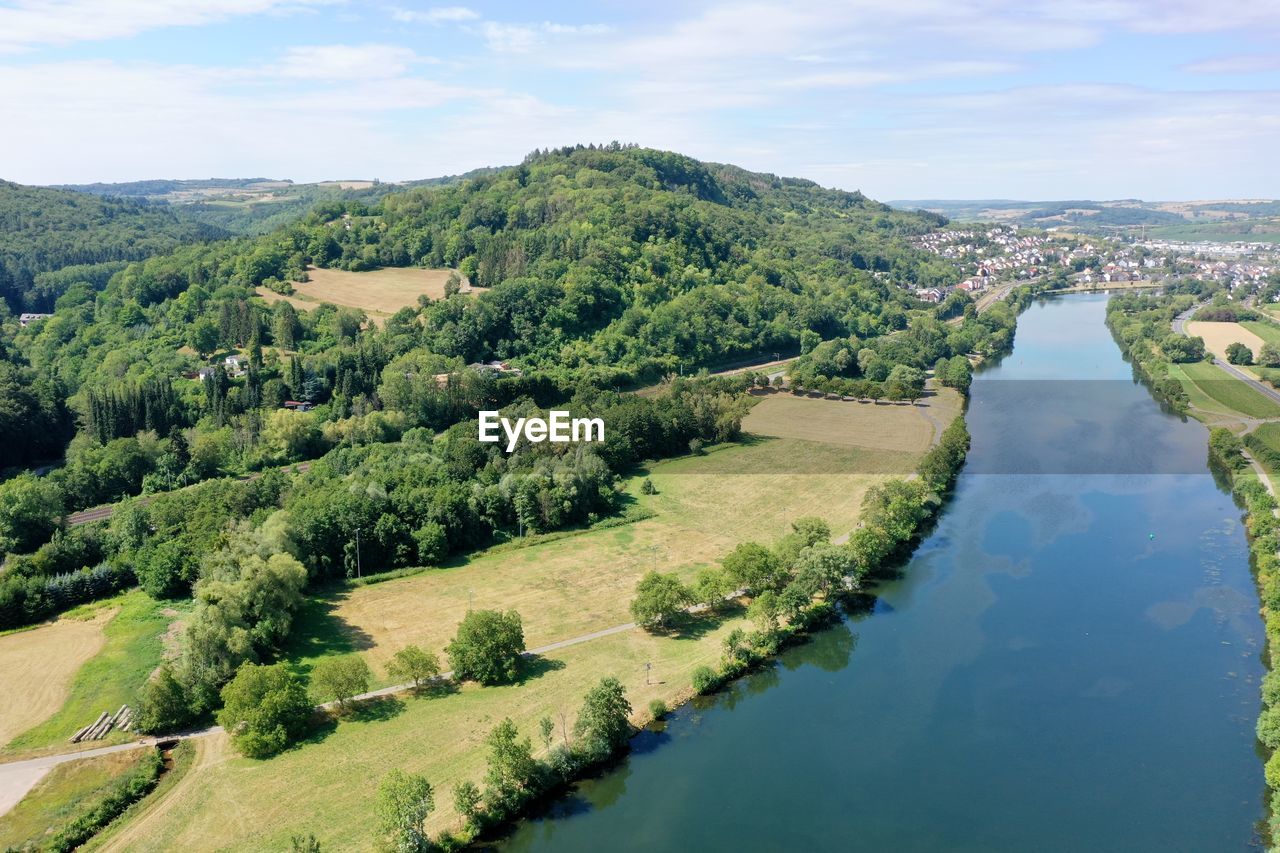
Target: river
point(1070, 661)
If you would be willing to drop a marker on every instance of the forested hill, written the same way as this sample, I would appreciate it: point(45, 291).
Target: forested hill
point(45, 231)
point(620, 257)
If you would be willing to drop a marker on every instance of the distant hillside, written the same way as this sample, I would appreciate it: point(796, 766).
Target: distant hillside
point(1191, 220)
point(43, 232)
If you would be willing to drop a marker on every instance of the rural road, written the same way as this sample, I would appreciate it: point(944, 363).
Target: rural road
point(1180, 326)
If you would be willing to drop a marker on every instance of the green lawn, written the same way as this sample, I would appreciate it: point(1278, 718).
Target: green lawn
point(1228, 392)
point(1264, 444)
point(112, 677)
point(1269, 332)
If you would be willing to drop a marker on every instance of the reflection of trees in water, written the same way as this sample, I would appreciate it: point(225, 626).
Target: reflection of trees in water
point(828, 650)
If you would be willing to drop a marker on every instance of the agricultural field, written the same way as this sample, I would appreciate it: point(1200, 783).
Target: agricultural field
point(132, 627)
point(563, 588)
point(61, 795)
point(876, 426)
point(1268, 332)
point(1226, 395)
point(380, 293)
point(1219, 336)
point(37, 667)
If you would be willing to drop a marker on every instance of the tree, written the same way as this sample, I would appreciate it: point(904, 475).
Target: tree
point(753, 567)
point(546, 728)
point(466, 801)
point(413, 664)
point(29, 510)
point(163, 706)
point(341, 678)
point(1238, 353)
point(1269, 355)
point(202, 336)
point(264, 708)
point(404, 801)
point(904, 383)
point(511, 777)
point(823, 567)
point(659, 599)
point(602, 727)
point(710, 588)
point(488, 647)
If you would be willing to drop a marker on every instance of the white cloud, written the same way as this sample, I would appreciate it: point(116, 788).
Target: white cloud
point(1255, 63)
point(30, 23)
point(346, 62)
point(522, 38)
point(437, 15)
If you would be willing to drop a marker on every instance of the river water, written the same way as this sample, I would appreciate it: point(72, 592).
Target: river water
point(1069, 662)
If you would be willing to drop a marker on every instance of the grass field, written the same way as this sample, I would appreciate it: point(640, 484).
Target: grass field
point(878, 426)
point(1264, 443)
point(131, 649)
point(380, 293)
point(1268, 332)
point(578, 584)
point(60, 796)
point(37, 667)
point(563, 588)
point(1218, 336)
point(328, 786)
point(1229, 395)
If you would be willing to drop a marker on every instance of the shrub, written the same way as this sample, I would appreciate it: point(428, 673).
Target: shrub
point(705, 680)
point(658, 709)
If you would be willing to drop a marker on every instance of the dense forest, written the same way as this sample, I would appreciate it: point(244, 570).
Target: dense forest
point(45, 231)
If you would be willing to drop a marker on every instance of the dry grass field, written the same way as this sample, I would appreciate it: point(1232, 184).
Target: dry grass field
point(37, 668)
point(876, 426)
point(1218, 336)
point(329, 786)
point(578, 584)
point(380, 293)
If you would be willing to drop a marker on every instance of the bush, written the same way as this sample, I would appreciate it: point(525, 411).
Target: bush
point(124, 792)
point(705, 680)
point(658, 709)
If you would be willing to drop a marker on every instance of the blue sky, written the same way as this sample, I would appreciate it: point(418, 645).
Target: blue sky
point(1158, 99)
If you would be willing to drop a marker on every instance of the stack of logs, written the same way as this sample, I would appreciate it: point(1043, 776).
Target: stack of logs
point(99, 729)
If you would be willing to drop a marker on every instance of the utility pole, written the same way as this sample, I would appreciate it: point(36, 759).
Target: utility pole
point(647, 666)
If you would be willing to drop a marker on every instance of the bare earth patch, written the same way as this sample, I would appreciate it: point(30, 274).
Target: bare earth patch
point(37, 666)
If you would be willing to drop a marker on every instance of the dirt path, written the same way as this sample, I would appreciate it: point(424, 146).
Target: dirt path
point(209, 751)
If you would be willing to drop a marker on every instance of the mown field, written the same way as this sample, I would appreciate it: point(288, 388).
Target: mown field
point(38, 665)
point(563, 588)
point(380, 293)
point(1225, 394)
point(132, 626)
point(1268, 332)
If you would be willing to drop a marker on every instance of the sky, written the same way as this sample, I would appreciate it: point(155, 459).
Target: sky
point(902, 99)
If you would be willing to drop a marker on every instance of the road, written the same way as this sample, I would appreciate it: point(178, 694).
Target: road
point(102, 513)
point(1179, 326)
